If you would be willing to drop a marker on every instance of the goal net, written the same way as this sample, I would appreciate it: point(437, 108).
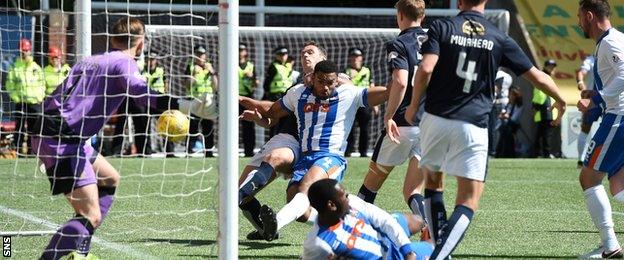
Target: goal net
point(163, 207)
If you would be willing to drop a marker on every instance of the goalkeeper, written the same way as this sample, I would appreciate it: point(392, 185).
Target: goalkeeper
point(77, 110)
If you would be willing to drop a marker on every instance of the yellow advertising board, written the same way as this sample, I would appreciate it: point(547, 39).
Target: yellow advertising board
point(553, 28)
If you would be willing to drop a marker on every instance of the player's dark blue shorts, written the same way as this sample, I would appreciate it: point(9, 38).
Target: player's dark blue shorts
point(333, 164)
point(604, 152)
point(592, 115)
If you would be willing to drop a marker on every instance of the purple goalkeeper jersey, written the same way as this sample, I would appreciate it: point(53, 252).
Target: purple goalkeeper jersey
point(95, 88)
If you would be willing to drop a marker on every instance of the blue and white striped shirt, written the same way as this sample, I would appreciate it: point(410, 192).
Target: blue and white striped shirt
point(366, 232)
point(324, 125)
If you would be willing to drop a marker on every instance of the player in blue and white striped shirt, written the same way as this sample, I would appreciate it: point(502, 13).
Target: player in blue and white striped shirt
point(604, 156)
point(325, 114)
point(349, 227)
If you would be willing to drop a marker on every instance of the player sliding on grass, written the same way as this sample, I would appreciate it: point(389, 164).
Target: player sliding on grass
point(325, 114)
point(604, 154)
point(77, 110)
point(278, 154)
point(348, 227)
point(460, 59)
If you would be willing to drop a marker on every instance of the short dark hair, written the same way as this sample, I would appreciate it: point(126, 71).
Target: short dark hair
point(326, 66)
point(474, 2)
point(313, 43)
point(127, 31)
point(600, 8)
point(413, 9)
point(322, 191)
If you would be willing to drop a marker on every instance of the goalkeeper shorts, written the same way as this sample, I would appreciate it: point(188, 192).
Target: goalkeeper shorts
point(68, 165)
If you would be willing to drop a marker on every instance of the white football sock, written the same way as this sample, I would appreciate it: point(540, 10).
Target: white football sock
point(599, 207)
point(580, 145)
point(293, 210)
point(619, 196)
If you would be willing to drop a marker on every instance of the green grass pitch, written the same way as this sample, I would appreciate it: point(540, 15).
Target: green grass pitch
point(167, 209)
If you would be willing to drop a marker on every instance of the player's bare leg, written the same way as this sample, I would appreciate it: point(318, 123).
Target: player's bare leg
point(412, 188)
point(599, 207)
point(107, 181)
point(376, 176)
point(435, 211)
point(298, 208)
point(76, 233)
point(467, 201)
point(254, 179)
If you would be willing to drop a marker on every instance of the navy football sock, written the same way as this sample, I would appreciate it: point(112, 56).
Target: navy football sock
point(251, 211)
point(435, 211)
point(255, 181)
point(366, 194)
point(453, 233)
point(415, 203)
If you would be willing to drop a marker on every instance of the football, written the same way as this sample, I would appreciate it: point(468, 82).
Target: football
point(173, 125)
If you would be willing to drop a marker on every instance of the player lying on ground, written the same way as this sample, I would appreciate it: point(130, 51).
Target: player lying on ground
point(348, 227)
point(325, 114)
point(604, 154)
point(460, 60)
point(77, 110)
point(400, 141)
point(277, 155)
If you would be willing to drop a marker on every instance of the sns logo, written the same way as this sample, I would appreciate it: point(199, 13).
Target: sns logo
point(310, 107)
point(6, 246)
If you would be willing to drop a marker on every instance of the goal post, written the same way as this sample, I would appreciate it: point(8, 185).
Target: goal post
point(228, 129)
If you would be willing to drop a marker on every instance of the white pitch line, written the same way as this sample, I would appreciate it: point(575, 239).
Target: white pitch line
point(110, 245)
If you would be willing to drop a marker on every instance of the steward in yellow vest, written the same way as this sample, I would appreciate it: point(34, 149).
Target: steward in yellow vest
point(246, 73)
point(155, 75)
point(278, 79)
point(203, 76)
point(361, 77)
point(25, 85)
point(55, 72)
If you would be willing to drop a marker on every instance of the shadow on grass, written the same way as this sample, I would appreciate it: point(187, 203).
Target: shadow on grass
point(209, 242)
point(513, 256)
point(570, 231)
point(249, 257)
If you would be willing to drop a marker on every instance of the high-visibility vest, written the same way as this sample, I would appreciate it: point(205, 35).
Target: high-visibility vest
point(540, 98)
point(203, 82)
point(54, 77)
point(156, 79)
point(25, 82)
point(281, 81)
point(360, 78)
point(245, 84)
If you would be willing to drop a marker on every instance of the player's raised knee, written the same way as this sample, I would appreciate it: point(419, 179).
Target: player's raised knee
point(278, 157)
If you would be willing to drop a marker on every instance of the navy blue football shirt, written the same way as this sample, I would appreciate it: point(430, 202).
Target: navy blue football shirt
point(404, 53)
point(470, 50)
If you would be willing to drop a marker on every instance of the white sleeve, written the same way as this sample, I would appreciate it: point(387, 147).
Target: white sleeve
point(315, 248)
point(588, 64)
point(615, 57)
point(361, 96)
point(289, 100)
point(382, 220)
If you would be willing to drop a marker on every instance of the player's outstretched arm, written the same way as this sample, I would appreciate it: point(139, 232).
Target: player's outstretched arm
point(421, 81)
point(263, 106)
point(383, 221)
point(546, 84)
point(273, 115)
point(377, 96)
